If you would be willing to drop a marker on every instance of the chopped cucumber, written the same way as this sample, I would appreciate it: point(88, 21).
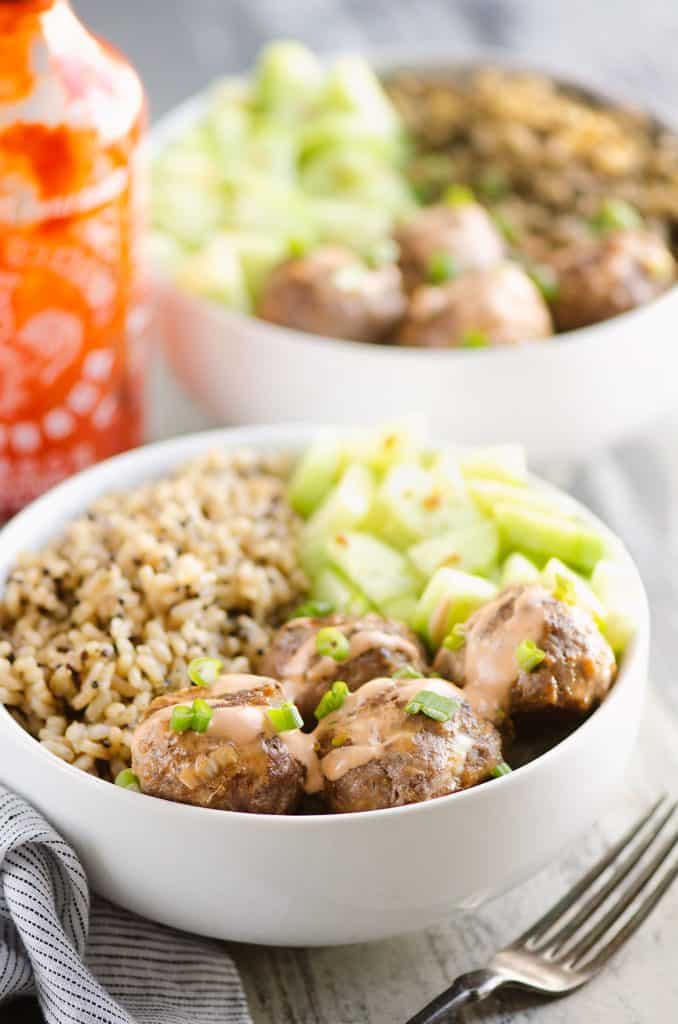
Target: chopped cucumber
point(344, 508)
point(450, 597)
point(334, 588)
point(288, 78)
point(471, 548)
point(413, 503)
point(616, 586)
point(402, 609)
point(581, 590)
point(489, 493)
point(542, 536)
point(388, 446)
point(518, 569)
point(506, 462)
point(381, 573)
point(315, 474)
point(215, 272)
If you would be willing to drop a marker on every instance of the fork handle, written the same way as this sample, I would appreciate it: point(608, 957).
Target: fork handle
point(468, 988)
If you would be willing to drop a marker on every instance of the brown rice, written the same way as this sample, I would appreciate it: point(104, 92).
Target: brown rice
point(107, 617)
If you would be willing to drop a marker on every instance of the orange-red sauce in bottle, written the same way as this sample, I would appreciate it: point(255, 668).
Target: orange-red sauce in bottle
point(72, 120)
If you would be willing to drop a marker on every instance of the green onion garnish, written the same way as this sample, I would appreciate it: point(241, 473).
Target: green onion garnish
point(202, 715)
point(298, 247)
point(339, 739)
point(475, 339)
point(614, 214)
point(564, 589)
point(456, 639)
point(545, 279)
point(501, 769)
point(406, 672)
point(204, 671)
point(128, 780)
point(434, 705)
point(458, 195)
point(441, 267)
point(528, 655)
point(330, 642)
point(286, 717)
point(312, 610)
point(332, 699)
point(196, 718)
point(508, 230)
point(494, 185)
point(182, 718)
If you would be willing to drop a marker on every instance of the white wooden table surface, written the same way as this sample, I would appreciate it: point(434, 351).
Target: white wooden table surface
point(179, 45)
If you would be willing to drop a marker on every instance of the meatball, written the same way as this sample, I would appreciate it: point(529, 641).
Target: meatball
point(240, 763)
point(602, 278)
point(576, 672)
point(465, 233)
point(377, 647)
point(374, 754)
point(496, 307)
point(331, 292)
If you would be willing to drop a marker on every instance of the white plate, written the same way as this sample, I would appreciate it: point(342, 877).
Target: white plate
point(324, 879)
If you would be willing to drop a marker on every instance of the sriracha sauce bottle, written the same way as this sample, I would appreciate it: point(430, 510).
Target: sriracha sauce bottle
point(72, 299)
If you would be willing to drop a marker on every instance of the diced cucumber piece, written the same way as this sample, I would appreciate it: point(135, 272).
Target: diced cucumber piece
point(344, 508)
point(360, 226)
point(215, 272)
point(471, 548)
point(542, 535)
point(505, 462)
point(583, 593)
point(489, 493)
point(518, 569)
point(388, 446)
point(353, 86)
point(615, 586)
point(450, 597)
point(381, 573)
point(445, 467)
point(334, 588)
point(315, 474)
point(413, 504)
point(402, 609)
point(288, 78)
point(189, 211)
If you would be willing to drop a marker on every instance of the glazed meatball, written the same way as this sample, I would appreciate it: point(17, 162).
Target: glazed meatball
point(465, 234)
point(576, 672)
point(605, 277)
point(496, 307)
point(376, 647)
point(331, 292)
point(239, 763)
point(374, 754)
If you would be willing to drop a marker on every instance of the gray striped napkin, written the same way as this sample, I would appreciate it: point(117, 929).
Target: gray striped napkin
point(98, 965)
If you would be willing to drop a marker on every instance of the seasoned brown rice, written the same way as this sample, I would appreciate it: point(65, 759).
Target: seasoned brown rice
point(102, 620)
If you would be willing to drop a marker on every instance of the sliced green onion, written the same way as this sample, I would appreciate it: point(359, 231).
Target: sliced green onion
point(494, 185)
point(182, 718)
point(286, 717)
point(508, 230)
point(434, 705)
point(475, 339)
point(458, 195)
point(528, 655)
point(202, 715)
point(339, 739)
point(330, 642)
point(312, 610)
point(614, 214)
point(564, 589)
point(406, 672)
point(332, 699)
point(298, 247)
point(441, 267)
point(546, 280)
point(501, 769)
point(128, 780)
point(456, 639)
point(204, 671)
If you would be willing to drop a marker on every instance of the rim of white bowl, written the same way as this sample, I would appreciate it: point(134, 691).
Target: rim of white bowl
point(430, 58)
point(288, 437)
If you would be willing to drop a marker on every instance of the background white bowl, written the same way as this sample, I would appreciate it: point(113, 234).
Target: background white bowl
point(312, 880)
point(582, 391)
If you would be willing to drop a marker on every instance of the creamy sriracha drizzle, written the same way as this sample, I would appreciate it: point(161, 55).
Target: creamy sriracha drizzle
point(490, 664)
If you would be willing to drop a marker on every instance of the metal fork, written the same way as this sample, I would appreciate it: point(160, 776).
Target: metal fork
point(572, 942)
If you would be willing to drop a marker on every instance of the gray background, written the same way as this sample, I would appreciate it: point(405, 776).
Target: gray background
point(178, 46)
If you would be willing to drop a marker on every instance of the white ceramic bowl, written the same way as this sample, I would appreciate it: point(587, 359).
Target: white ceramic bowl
point(582, 391)
point(312, 880)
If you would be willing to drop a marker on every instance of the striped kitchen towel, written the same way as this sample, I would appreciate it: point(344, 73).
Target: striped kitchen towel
point(98, 964)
